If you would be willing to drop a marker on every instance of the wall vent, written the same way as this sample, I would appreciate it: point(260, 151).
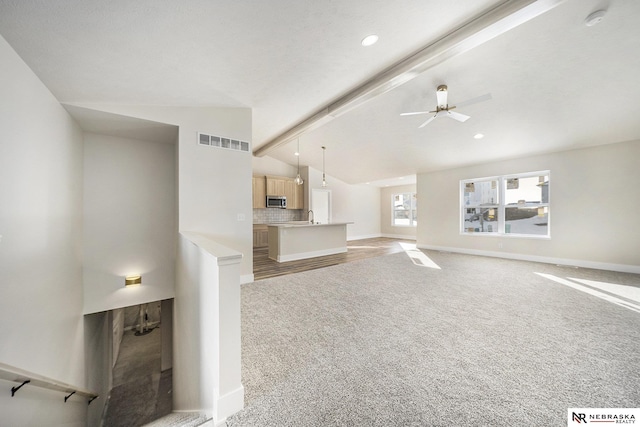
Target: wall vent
point(221, 142)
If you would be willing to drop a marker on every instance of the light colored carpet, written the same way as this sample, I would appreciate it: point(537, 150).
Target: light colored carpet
point(482, 341)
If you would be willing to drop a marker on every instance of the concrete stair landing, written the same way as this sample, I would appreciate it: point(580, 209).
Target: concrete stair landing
point(181, 419)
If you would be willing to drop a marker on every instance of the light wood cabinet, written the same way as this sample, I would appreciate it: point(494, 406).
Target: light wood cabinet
point(295, 195)
point(260, 236)
point(277, 186)
point(300, 196)
point(259, 192)
point(290, 193)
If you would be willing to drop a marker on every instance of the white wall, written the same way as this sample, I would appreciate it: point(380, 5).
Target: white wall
point(214, 184)
point(266, 165)
point(97, 328)
point(207, 356)
point(41, 323)
point(386, 212)
point(130, 223)
point(192, 376)
point(359, 204)
point(593, 214)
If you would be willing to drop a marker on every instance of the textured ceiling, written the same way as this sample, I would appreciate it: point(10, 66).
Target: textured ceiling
point(556, 83)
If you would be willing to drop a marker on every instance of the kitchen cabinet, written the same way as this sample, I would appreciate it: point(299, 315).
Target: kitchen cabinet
point(290, 193)
point(276, 186)
point(260, 236)
point(300, 196)
point(295, 195)
point(259, 192)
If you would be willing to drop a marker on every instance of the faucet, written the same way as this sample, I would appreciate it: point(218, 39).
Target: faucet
point(310, 216)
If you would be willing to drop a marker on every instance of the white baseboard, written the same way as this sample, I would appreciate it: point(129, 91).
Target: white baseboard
point(364, 236)
point(246, 278)
point(229, 404)
point(623, 268)
point(399, 236)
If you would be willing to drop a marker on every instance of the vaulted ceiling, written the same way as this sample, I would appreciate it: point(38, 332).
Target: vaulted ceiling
point(555, 83)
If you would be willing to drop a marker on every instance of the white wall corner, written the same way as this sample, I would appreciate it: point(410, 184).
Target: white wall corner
point(247, 278)
point(229, 404)
point(208, 306)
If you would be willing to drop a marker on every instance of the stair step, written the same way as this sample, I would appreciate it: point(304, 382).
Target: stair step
point(179, 419)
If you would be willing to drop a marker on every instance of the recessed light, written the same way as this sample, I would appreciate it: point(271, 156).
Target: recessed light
point(296, 154)
point(478, 136)
point(369, 40)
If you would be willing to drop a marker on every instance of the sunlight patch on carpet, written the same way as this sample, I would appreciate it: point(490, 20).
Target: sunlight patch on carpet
point(587, 286)
point(418, 257)
point(625, 291)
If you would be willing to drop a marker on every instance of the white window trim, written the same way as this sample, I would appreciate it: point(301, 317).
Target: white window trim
point(393, 210)
point(501, 206)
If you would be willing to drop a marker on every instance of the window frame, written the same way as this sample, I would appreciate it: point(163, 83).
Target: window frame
point(501, 205)
point(414, 208)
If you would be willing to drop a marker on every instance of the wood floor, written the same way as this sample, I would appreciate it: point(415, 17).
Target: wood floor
point(263, 267)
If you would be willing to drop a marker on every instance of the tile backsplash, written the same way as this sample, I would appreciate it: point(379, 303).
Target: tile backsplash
point(271, 215)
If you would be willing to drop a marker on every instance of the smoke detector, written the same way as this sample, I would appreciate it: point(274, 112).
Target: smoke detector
point(594, 18)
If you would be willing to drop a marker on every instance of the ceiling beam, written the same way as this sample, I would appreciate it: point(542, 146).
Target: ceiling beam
point(484, 27)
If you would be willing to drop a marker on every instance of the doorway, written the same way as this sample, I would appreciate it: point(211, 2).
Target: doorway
point(321, 205)
point(141, 375)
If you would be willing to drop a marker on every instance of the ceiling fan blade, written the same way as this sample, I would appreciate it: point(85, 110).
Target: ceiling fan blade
point(415, 112)
point(427, 122)
point(485, 97)
point(457, 116)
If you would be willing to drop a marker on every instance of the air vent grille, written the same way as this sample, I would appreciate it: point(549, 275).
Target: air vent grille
point(221, 142)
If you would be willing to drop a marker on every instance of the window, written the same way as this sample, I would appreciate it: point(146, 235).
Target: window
point(511, 204)
point(405, 209)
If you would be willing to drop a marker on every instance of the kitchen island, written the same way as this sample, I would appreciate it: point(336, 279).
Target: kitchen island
point(295, 240)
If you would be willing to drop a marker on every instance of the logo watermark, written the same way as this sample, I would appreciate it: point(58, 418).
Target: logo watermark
point(600, 416)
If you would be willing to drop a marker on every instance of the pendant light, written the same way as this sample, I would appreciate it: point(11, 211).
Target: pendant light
point(298, 179)
point(324, 180)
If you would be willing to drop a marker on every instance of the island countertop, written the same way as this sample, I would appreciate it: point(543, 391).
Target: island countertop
point(289, 241)
point(304, 224)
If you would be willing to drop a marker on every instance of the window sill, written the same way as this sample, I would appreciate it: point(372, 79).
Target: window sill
point(508, 235)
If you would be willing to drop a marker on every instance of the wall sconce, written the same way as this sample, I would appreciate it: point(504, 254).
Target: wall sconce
point(134, 279)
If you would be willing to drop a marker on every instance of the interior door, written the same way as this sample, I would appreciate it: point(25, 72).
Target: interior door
point(321, 205)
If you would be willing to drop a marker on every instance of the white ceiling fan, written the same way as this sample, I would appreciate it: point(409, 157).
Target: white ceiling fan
point(443, 109)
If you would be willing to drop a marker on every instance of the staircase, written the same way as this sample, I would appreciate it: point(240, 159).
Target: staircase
point(181, 419)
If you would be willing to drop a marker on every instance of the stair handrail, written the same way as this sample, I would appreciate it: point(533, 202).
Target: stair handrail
point(23, 377)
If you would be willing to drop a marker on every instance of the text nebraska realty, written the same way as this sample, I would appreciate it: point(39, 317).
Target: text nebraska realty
point(611, 418)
